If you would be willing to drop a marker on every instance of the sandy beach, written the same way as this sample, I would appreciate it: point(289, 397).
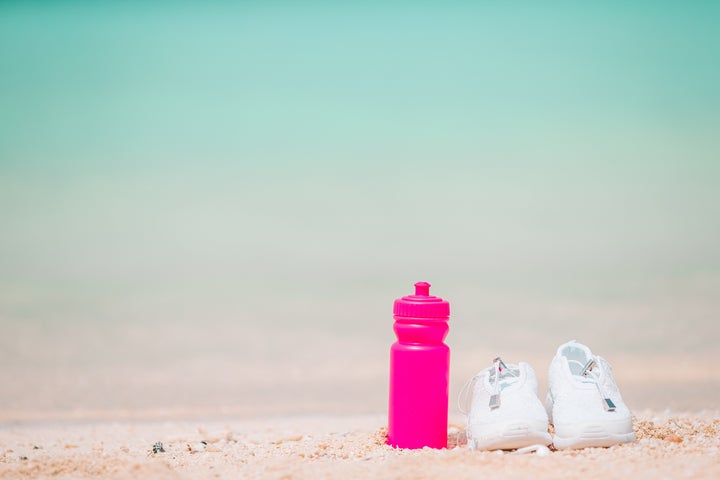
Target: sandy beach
point(270, 415)
point(668, 446)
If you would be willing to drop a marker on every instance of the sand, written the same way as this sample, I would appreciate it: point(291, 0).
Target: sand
point(269, 404)
point(668, 446)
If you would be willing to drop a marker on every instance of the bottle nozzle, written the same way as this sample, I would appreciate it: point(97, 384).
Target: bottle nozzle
point(422, 289)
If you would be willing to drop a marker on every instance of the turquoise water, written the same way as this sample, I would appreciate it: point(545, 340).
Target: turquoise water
point(126, 85)
point(552, 170)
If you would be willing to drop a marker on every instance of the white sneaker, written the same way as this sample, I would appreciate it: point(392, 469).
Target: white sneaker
point(505, 411)
point(583, 402)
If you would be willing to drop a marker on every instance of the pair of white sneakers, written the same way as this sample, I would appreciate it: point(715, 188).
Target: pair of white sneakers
point(583, 404)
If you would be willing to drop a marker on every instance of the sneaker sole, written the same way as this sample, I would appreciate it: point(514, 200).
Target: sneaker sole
point(512, 437)
point(592, 436)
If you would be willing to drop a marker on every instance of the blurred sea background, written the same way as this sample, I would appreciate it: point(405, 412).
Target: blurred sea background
point(208, 208)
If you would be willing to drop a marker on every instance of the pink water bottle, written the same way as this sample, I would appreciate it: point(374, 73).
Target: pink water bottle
point(419, 371)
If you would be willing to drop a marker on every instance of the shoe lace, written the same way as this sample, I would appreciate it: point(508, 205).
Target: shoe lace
point(593, 375)
point(462, 401)
point(500, 371)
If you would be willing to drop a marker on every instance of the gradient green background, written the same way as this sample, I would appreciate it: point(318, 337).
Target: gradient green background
point(552, 169)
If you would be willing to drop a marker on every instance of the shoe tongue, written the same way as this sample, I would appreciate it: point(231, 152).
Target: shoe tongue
point(508, 374)
point(507, 382)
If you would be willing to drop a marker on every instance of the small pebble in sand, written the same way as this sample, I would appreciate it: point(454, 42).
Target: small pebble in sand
point(198, 447)
point(539, 450)
point(158, 448)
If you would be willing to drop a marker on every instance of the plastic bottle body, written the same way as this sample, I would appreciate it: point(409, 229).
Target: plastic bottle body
point(419, 380)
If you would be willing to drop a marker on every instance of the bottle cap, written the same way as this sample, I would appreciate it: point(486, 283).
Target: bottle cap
point(422, 304)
